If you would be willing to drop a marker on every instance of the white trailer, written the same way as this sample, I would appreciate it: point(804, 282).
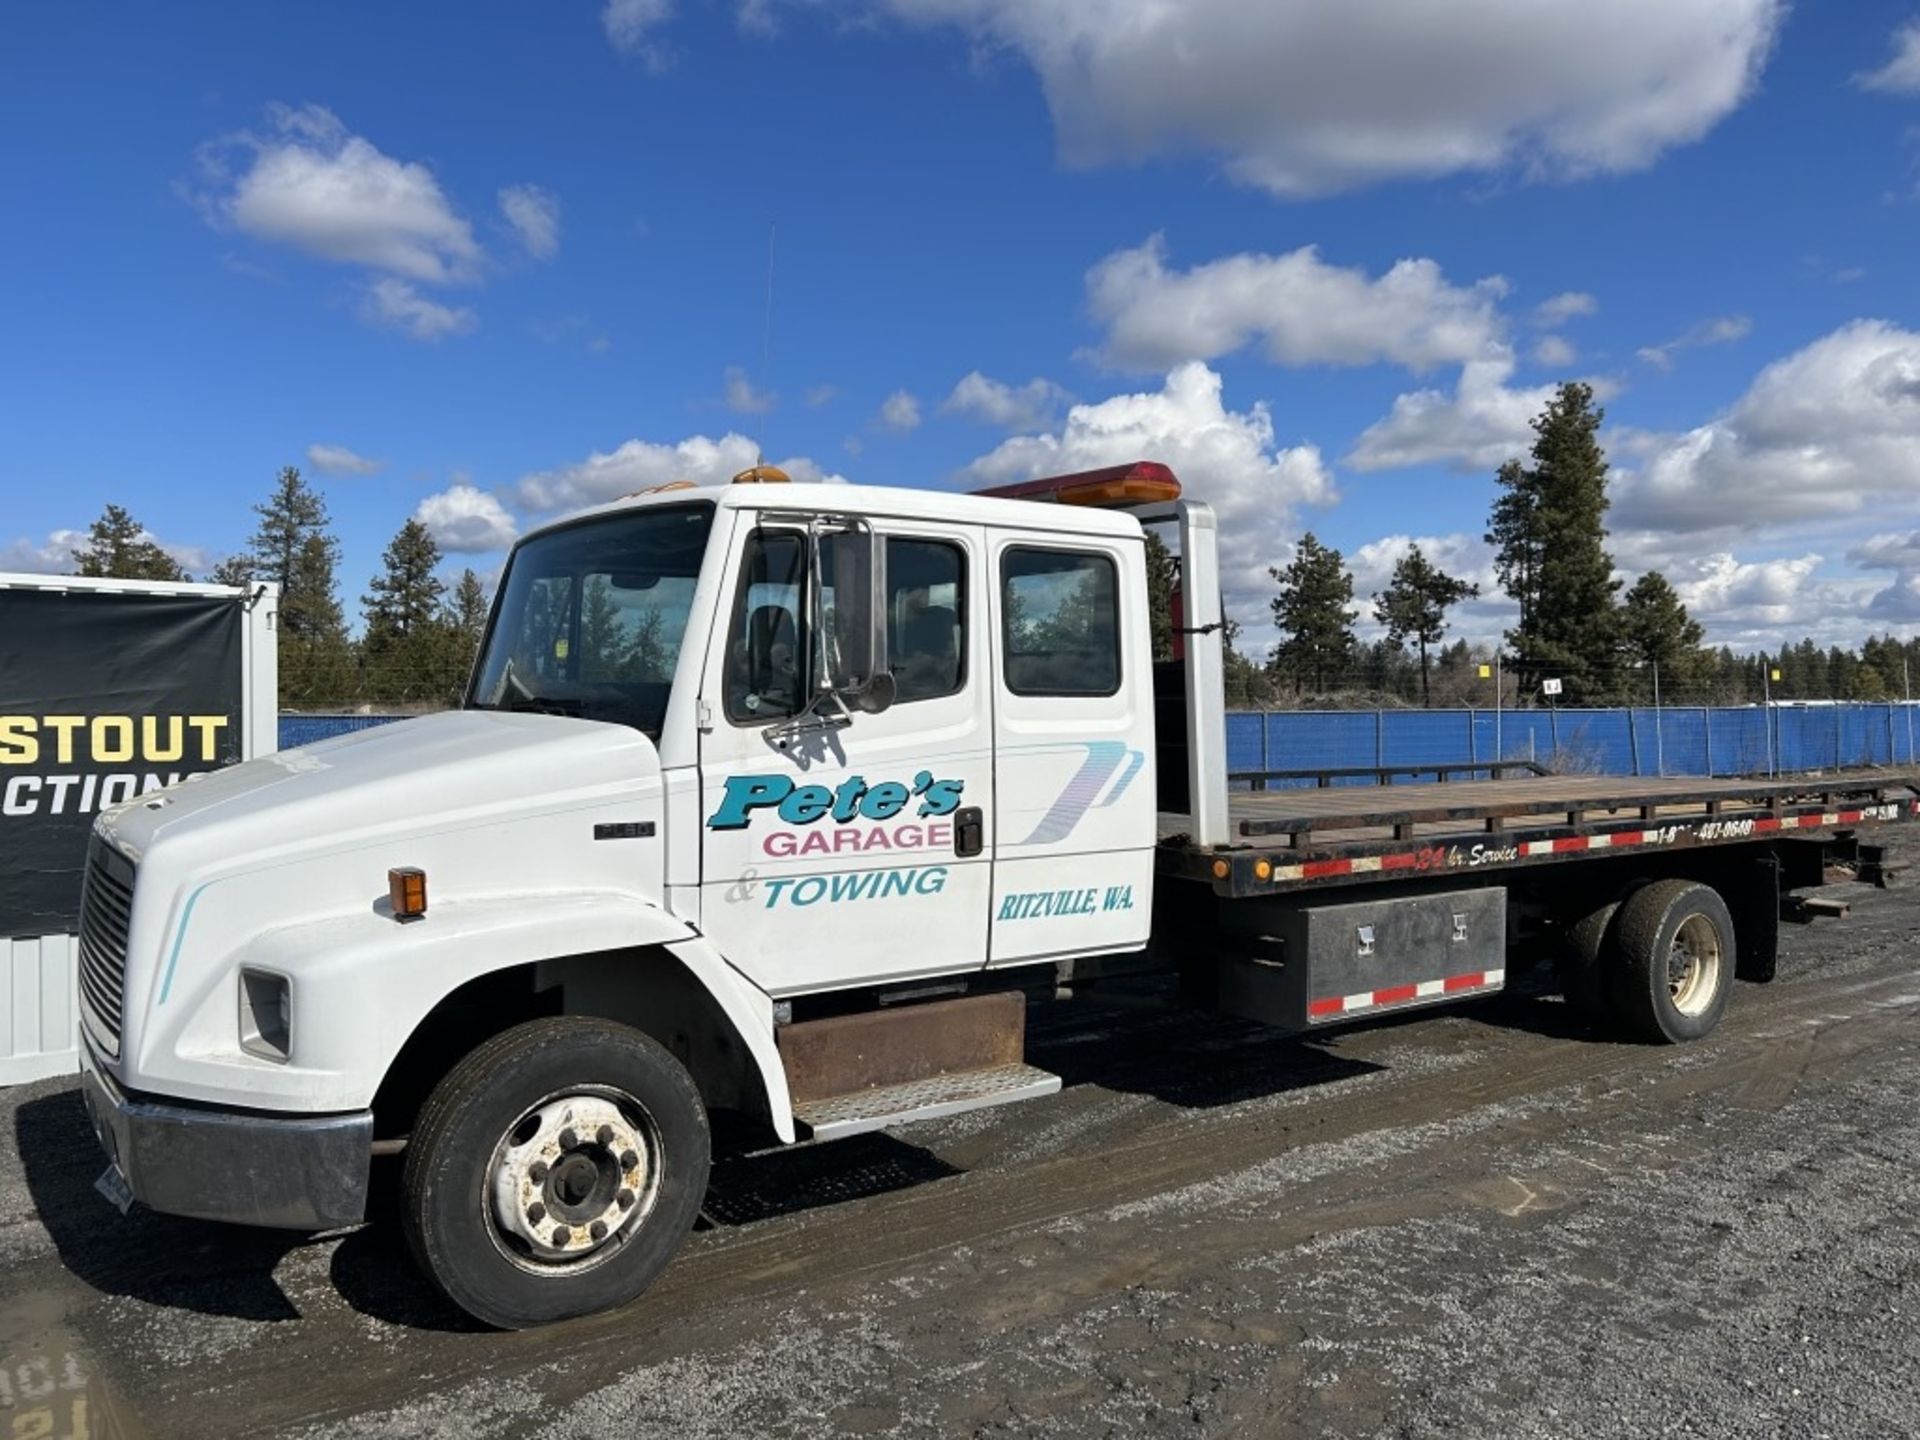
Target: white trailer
point(780, 800)
point(39, 1012)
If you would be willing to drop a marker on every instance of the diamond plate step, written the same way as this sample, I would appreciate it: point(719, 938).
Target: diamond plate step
point(875, 1109)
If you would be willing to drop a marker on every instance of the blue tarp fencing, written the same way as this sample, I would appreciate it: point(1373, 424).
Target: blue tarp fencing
point(1690, 740)
point(1726, 740)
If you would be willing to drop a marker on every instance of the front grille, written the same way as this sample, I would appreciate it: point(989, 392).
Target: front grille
point(106, 912)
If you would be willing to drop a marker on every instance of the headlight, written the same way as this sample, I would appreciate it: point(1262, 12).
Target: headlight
point(266, 1015)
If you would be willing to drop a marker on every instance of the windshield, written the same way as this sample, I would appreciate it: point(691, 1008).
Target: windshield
point(591, 616)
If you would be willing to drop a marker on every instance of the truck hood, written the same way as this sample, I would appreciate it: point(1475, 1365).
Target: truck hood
point(454, 770)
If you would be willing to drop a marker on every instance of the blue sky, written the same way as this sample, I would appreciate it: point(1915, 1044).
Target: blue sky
point(486, 262)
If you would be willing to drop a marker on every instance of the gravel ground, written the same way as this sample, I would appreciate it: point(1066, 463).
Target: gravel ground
point(1470, 1223)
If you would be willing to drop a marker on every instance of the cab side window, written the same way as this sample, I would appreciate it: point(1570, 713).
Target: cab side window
point(1061, 617)
point(926, 618)
point(766, 660)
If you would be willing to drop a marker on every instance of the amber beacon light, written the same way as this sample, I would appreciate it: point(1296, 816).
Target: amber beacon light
point(407, 890)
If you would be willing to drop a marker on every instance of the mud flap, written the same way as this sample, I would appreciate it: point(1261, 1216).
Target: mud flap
point(1753, 898)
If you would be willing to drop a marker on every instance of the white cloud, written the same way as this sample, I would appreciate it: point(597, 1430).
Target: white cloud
point(743, 397)
point(1011, 407)
point(900, 412)
point(1479, 425)
point(1302, 99)
point(1721, 330)
point(466, 520)
point(1899, 601)
point(396, 305)
point(632, 25)
point(1901, 74)
point(1226, 457)
point(534, 215)
point(53, 556)
point(339, 460)
point(640, 464)
point(1824, 433)
point(311, 184)
point(1305, 311)
point(1556, 310)
point(818, 395)
point(1554, 351)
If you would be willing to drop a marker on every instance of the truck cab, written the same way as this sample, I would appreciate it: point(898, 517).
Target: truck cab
point(769, 799)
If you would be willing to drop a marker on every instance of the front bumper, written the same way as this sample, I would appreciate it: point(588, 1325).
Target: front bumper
point(304, 1172)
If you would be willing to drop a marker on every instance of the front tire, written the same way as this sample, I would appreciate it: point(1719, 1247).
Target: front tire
point(554, 1171)
point(1675, 952)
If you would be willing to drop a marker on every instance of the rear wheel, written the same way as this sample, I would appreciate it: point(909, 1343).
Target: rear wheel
point(1675, 956)
point(554, 1171)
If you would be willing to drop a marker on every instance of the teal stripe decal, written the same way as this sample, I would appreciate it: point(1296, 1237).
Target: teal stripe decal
point(173, 956)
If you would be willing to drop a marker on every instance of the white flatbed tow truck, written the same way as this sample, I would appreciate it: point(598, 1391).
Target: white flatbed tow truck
point(780, 800)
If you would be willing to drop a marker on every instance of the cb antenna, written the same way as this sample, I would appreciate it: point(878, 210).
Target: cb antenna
point(766, 339)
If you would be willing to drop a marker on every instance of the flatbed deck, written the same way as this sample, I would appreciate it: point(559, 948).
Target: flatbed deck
point(1304, 835)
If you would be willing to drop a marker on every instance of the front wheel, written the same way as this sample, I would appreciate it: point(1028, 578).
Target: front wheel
point(1675, 947)
point(554, 1171)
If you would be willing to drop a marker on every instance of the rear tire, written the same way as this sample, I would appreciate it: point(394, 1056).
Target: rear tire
point(1674, 961)
point(554, 1171)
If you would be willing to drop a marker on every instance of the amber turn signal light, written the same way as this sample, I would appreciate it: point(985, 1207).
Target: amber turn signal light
point(407, 890)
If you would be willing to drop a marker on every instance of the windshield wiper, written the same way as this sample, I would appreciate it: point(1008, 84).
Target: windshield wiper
point(540, 704)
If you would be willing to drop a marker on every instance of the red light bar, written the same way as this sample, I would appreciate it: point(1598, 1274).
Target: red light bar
point(1144, 482)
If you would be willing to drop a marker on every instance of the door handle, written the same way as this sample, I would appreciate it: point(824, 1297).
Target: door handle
point(969, 831)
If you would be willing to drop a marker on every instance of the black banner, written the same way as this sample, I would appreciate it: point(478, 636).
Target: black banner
point(103, 696)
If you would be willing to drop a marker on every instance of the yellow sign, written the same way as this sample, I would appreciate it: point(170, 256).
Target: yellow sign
point(1486, 672)
point(1775, 674)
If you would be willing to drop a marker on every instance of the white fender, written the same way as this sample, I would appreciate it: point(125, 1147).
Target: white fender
point(362, 984)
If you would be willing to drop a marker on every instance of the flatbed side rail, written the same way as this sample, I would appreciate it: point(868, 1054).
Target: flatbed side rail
point(1324, 779)
point(1487, 807)
point(1671, 823)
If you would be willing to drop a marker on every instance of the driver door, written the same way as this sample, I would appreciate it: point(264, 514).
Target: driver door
point(855, 854)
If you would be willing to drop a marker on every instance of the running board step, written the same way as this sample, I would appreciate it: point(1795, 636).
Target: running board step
point(836, 1116)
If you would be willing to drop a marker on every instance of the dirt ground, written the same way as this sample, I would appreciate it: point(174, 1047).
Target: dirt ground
point(1473, 1223)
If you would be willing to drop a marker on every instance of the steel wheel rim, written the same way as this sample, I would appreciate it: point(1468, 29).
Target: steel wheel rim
point(1693, 965)
point(558, 1208)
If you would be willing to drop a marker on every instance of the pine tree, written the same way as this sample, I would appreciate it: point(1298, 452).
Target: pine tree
point(1658, 633)
point(1314, 612)
point(405, 597)
point(463, 621)
point(1414, 606)
point(119, 547)
point(235, 570)
point(1549, 531)
point(467, 608)
point(293, 548)
point(404, 646)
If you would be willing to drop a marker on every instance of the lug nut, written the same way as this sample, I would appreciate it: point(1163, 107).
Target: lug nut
point(537, 1172)
point(561, 1235)
point(625, 1197)
point(568, 1139)
point(536, 1212)
point(628, 1159)
point(598, 1230)
point(604, 1135)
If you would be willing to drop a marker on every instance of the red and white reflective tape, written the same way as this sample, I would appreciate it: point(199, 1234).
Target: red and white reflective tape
point(1435, 856)
point(1341, 1005)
